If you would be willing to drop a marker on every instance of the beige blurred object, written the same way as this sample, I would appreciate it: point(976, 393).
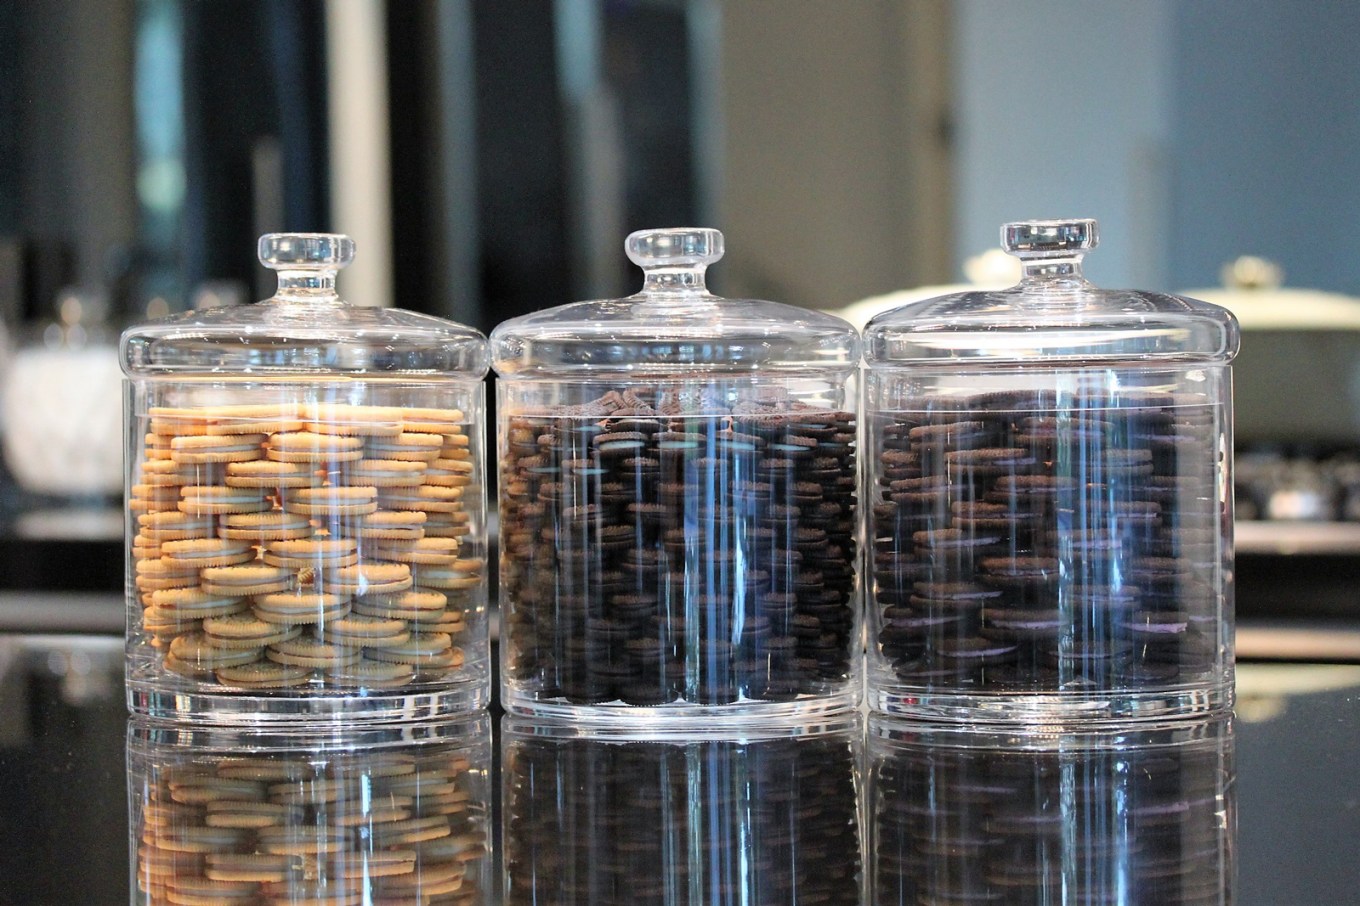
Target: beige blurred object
point(1253, 290)
point(993, 269)
point(63, 404)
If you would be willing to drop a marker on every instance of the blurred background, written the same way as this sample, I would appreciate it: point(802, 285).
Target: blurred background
point(490, 157)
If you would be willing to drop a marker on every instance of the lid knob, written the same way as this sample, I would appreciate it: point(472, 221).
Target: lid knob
point(1055, 238)
point(676, 247)
point(306, 263)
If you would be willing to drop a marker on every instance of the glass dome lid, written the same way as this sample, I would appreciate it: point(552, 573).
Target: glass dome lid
point(673, 324)
point(304, 329)
point(1053, 315)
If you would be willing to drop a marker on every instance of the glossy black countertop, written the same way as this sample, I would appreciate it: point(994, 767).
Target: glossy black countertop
point(1260, 809)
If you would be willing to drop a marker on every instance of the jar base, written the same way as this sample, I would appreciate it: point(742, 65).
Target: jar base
point(682, 715)
point(160, 702)
point(1057, 708)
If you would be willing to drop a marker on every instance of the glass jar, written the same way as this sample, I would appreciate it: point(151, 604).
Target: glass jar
point(306, 509)
point(735, 815)
point(677, 501)
point(394, 814)
point(1145, 814)
point(1050, 506)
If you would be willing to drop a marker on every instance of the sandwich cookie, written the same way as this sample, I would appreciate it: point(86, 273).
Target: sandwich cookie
point(426, 650)
point(312, 653)
point(263, 675)
point(168, 473)
point(457, 576)
point(214, 449)
point(387, 473)
point(449, 473)
point(367, 673)
point(247, 579)
point(174, 526)
point(311, 447)
point(155, 575)
point(245, 630)
point(196, 604)
point(177, 421)
point(252, 866)
point(409, 447)
point(421, 605)
point(311, 553)
point(333, 501)
point(265, 526)
point(359, 630)
point(391, 525)
point(355, 421)
point(196, 650)
point(369, 578)
point(425, 551)
point(270, 474)
point(214, 500)
point(264, 419)
point(430, 498)
point(204, 552)
point(433, 421)
point(293, 608)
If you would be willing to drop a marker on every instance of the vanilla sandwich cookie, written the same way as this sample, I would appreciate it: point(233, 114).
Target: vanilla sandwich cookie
point(249, 579)
point(264, 675)
point(449, 473)
point(196, 838)
point(264, 527)
point(168, 473)
point(245, 630)
point(197, 604)
point(153, 498)
point(350, 500)
point(266, 419)
point(410, 830)
point(271, 474)
point(450, 623)
point(407, 446)
point(216, 500)
point(392, 525)
point(300, 608)
point(417, 604)
point(177, 421)
point(386, 473)
point(207, 448)
point(426, 551)
point(308, 651)
point(369, 578)
point(144, 548)
point(266, 769)
point(311, 447)
point(174, 526)
point(252, 866)
point(355, 421)
point(169, 621)
point(458, 576)
point(433, 421)
point(375, 863)
point(197, 649)
point(422, 649)
point(204, 552)
point(429, 498)
point(363, 637)
point(312, 553)
point(302, 840)
point(156, 446)
point(367, 673)
point(448, 525)
point(155, 575)
point(252, 814)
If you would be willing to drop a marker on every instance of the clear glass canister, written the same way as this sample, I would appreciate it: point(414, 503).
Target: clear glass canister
point(1050, 512)
point(677, 501)
point(397, 813)
point(306, 507)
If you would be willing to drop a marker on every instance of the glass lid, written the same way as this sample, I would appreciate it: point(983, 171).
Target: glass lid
point(305, 328)
point(1052, 315)
point(673, 324)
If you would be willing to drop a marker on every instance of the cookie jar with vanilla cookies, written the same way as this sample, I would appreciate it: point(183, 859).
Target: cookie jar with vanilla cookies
point(306, 527)
point(1049, 498)
point(677, 486)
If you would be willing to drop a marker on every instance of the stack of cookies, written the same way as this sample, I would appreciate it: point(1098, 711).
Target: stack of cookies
point(617, 824)
point(1128, 824)
point(1026, 542)
point(660, 549)
point(383, 827)
point(295, 546)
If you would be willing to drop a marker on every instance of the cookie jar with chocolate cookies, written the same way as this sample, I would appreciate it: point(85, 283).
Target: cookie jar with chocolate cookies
point(677, 494)
point(1049, 503)
point(305, 506)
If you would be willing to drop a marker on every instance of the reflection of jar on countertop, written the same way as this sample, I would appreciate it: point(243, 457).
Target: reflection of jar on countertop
point(62, 404)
